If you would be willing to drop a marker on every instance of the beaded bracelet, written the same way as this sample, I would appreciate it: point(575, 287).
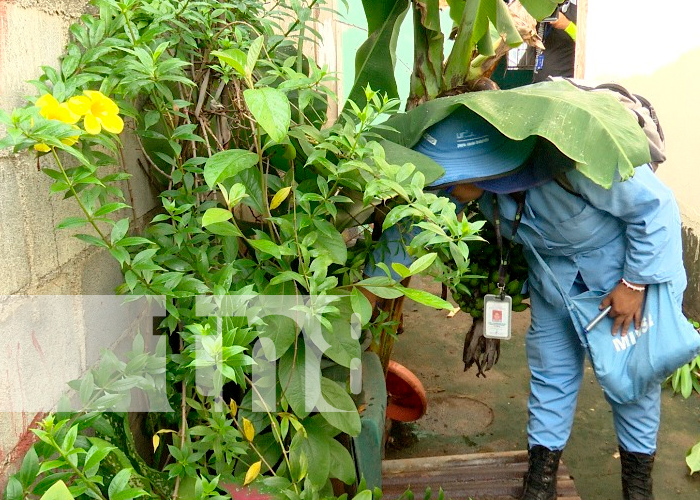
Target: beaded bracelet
point(636, 288)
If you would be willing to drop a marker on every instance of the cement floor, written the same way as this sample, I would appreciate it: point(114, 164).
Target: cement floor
point(467, 414)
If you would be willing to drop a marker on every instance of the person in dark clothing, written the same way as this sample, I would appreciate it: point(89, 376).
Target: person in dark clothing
point(559, 39)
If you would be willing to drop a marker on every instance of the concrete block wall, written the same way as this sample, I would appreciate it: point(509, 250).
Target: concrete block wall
point(36, 259)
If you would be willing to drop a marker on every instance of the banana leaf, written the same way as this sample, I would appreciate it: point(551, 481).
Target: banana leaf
point(473, 19)
point(375, 60)
point(592, 128)
point(426, 79)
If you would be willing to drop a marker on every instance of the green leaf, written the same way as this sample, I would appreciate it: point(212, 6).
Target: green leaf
point(108, 208)
point(58, 491)
point(214, 215)
point(426, 78)
point(338, 408)
point(363, 495)
point(52, 464)
point(342, 465)
point(129, 493)
point(87, 386)
point(292, 380)
point(29, 469)
point(253, 54)
point(225, 164)
point(282, 331)
point(235, 58)
point(331, 242)
point(93, 458)
point(151, 118)
point(270, 108)
point(70, 222)
point(422, 263)
point(397, 154)
point(92, 240)
point(361, 305)
point(69, 439)
point(426, 298)
point(119, 483)
point(224, 229)
point(400, 269)
point(375, 60)
point(555, 110)
point(384, 292)
point(316, 448)
point(133, 241)
point(130, 279)
point(693, 459)
point(342, 335)
point(119, 230)
point(266, 246)
point(13, 490)
point(686, 381)
point(251, 179)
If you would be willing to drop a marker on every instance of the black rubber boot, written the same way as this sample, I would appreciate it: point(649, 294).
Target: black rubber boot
point(636, 475)
point(541, 479)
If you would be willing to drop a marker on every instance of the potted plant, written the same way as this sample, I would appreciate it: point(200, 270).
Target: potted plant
point(256, 194)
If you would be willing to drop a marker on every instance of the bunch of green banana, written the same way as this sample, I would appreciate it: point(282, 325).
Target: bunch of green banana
point(484, 260)
point(469, 292)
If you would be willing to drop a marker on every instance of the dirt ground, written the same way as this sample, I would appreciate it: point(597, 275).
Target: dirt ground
point(467, 414)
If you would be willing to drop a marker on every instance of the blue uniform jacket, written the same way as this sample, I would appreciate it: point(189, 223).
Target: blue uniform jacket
point(632, 230)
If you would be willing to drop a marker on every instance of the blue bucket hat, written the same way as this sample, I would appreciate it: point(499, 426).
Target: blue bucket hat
point(470, 149)
point(544, 163)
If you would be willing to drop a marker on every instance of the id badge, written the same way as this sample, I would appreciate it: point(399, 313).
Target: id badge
point(539, 62)
point(497, 312)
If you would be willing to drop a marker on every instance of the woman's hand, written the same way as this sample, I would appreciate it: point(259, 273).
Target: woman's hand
point(626, 308)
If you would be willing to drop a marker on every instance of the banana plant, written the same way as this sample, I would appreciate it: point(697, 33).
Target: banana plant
point(375, 60)
point(619, 143)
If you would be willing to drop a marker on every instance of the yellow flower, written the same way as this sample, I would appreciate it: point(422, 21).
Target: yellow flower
point(51, 109)
point(99, 111)
point(69, 141)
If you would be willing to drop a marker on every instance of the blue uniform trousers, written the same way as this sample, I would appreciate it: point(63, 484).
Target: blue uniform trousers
point(556, 359)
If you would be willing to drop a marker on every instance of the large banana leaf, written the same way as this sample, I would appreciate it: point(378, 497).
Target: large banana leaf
point(473, 19)
point(426, 79)
point(592, 128)
point(375, 60)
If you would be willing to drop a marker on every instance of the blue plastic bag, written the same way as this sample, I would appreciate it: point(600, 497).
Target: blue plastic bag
point(628, 367)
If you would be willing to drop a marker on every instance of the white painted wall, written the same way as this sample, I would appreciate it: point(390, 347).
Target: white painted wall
point(653, 47)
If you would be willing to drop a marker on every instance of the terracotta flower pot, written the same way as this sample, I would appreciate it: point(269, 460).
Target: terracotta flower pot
point(407, 400)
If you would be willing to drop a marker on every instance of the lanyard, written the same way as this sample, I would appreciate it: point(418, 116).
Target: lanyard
point(519, 197)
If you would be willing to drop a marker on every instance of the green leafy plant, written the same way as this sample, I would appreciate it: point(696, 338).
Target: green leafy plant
point(256, 196)
point(686, 381)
